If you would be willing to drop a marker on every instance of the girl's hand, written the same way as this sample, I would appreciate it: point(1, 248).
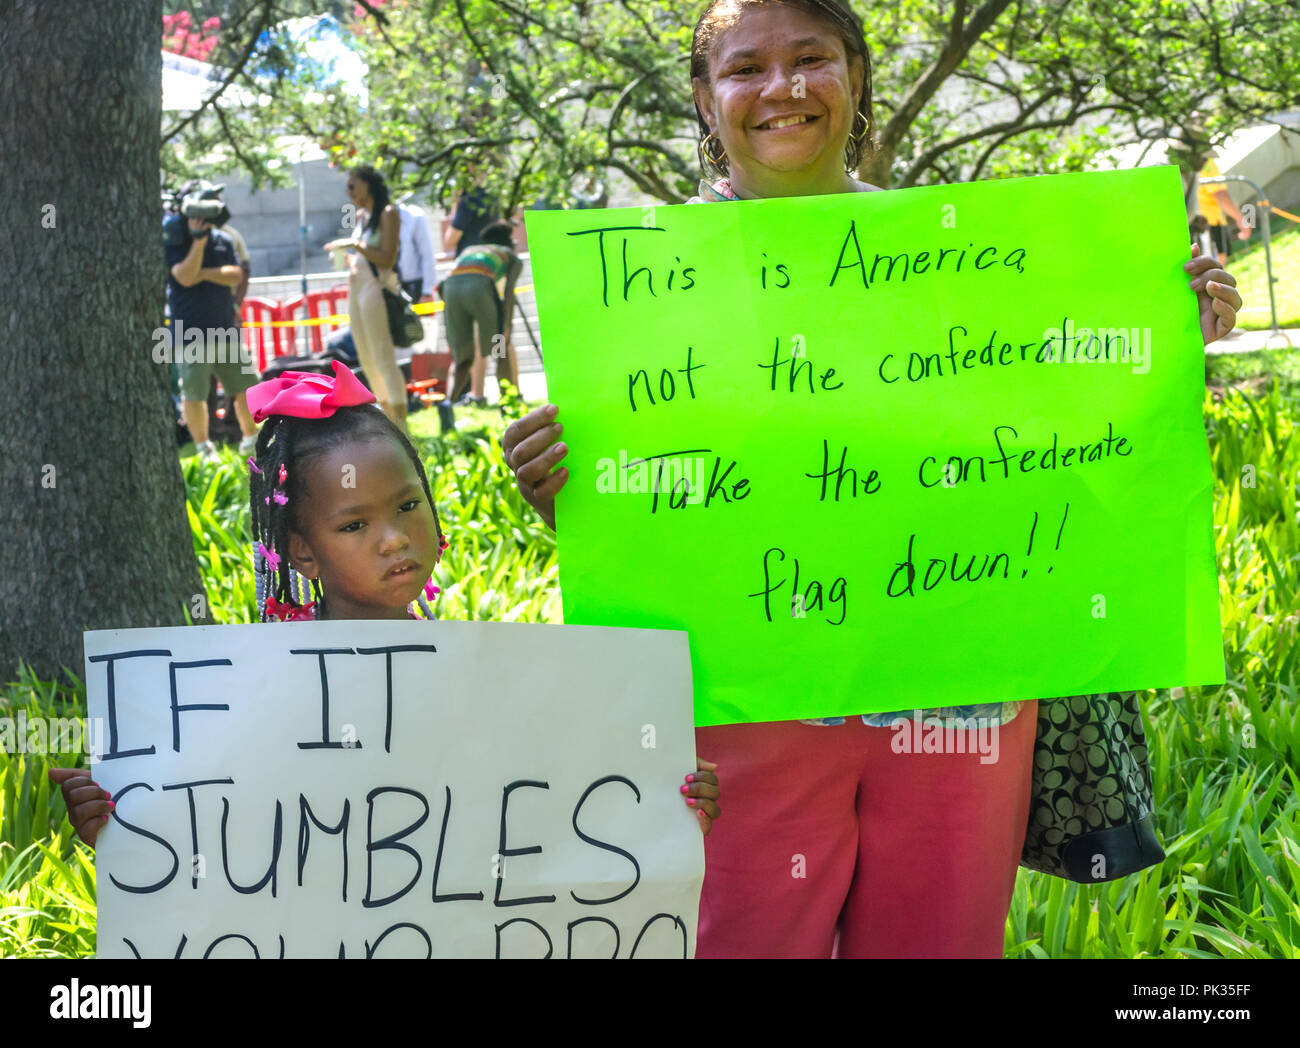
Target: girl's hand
point(701, 793)
point(89, 805)
point(530, 450)
point(1217, 300)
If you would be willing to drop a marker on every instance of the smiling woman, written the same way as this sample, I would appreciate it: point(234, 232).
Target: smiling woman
point(783, 96)
point(837, 842)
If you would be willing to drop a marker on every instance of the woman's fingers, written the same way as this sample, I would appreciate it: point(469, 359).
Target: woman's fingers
point(530, 450)
point(1223, 293)
point(1213, 275)
point(525, 427)
point(548, 487)
point(702, 765)
point(537, 455)
point(537, 472)
point(1226, 315)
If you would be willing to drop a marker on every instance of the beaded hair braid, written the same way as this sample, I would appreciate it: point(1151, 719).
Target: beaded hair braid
point(284, 446)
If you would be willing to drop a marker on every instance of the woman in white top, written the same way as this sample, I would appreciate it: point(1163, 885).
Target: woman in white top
point(372, 257)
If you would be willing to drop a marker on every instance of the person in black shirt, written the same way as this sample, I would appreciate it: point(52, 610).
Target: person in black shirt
point(202, 270)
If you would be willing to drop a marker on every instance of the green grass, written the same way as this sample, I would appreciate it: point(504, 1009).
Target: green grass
point(47, 878)
point(1252, 279)
point(1223, 759)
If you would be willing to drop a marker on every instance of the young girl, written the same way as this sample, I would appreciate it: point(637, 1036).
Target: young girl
point(339, 498)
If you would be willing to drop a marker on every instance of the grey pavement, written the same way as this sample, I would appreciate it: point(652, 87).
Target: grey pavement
point(1239, 341)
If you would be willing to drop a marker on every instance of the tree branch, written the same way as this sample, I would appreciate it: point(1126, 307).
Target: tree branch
point(960, 40)
point(233, 142)
point(450, 149)
point(1036, 125)
point(674, 160)
point(939, 148)
point(381, 22)
point(646, 181)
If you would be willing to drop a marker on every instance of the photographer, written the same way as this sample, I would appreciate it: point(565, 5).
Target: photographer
point(202, 271)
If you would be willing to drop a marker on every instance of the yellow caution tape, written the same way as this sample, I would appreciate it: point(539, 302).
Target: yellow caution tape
point(345, 318)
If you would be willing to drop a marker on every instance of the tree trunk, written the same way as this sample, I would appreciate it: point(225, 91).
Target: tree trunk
point(92, 503)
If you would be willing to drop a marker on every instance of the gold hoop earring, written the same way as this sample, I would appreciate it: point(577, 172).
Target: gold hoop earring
point(716, 161)
point(866, 126)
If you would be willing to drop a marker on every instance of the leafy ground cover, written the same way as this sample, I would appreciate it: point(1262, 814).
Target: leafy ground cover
point(1224, 759)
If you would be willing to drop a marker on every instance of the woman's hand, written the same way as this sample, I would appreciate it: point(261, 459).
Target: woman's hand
point(1217, 300)
point(531, 451)
point(701, 793)
point(89, 805)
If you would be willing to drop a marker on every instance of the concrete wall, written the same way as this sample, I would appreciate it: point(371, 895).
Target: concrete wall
point(268, 218)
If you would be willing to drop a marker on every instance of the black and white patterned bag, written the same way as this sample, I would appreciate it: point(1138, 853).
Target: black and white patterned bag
point(1091, 807)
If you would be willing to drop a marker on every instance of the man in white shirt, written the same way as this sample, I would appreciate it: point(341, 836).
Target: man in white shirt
point(417, 268)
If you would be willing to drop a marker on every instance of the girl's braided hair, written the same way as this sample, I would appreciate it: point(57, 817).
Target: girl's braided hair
point(288, 443)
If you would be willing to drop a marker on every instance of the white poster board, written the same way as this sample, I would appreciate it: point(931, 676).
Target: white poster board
point(395, 789)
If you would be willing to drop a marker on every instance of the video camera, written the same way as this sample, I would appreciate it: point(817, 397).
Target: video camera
point(203, 207)
point(199, 199)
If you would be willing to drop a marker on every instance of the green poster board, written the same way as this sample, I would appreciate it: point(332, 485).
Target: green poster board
point(890, 450)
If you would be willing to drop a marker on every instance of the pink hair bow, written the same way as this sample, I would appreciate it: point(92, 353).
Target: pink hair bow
point(306, 395)
point(272, 559)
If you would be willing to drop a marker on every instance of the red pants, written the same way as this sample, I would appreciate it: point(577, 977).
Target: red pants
point(831, 843)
